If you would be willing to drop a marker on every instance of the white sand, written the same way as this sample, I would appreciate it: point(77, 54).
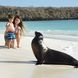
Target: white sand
point(20, 62)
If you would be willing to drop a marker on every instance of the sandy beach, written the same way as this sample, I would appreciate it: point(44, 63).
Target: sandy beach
point(20, 62)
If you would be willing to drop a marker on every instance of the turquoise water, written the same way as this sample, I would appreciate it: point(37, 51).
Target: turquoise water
point(53, 25)
point(58, 27)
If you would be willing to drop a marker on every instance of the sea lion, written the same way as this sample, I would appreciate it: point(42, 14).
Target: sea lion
point(45, 55)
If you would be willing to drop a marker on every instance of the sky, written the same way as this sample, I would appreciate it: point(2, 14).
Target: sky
point(40, 3)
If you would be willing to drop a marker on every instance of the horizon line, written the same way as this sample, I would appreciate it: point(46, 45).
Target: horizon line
point(40, 6)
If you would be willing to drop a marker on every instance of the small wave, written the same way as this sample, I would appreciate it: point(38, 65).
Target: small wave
point(50, 33)
point(56, 34)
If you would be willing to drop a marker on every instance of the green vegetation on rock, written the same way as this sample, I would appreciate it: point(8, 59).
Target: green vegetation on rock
point(40, 13)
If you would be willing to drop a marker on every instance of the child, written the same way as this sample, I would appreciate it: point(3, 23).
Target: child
point(10, 32)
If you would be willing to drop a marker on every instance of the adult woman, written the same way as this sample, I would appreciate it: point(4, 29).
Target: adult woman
point(19, 27)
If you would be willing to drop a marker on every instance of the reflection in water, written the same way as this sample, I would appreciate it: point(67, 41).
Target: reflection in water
point(54, 71)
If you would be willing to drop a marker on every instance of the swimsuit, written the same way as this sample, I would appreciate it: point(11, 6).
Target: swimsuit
point(10, 36)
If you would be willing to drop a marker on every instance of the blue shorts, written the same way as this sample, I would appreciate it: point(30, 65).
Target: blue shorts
point(10, 36)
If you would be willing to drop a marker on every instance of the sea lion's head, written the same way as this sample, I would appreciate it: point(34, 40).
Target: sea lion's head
point(38, 35)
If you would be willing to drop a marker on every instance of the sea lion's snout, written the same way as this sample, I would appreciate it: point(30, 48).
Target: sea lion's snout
point(38, 35)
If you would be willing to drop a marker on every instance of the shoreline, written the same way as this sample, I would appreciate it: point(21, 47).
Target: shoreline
point(60, 37)
point(1, 20)
point(63, 42)
point(57, 37)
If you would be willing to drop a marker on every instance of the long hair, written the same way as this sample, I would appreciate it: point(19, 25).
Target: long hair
point(20, 24)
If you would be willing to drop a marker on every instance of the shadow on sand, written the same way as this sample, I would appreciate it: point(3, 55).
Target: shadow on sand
point(22, 62)
point(3, 47)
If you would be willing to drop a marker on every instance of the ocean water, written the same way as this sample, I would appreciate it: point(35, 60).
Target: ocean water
point(49, 28)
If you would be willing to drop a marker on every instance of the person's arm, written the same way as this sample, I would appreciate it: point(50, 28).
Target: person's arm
point(19, 31)
point(7, 27)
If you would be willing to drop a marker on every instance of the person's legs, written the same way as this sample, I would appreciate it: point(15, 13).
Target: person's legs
point(6, 41)
point(18, 40)
point(12, 44)
point(18, 36)
point(9, 43)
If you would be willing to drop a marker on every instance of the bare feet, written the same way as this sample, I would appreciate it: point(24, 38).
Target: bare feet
point(18, 46)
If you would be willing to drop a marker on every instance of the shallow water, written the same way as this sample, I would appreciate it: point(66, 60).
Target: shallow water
point(59, 29)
